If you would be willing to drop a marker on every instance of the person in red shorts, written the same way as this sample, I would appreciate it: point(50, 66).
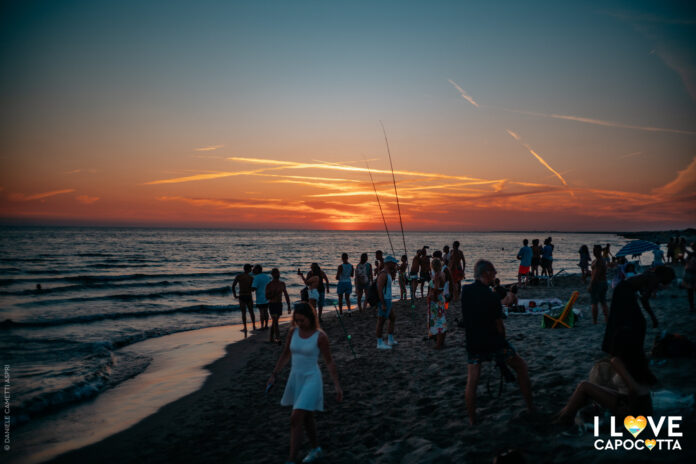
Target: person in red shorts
point(525, 256)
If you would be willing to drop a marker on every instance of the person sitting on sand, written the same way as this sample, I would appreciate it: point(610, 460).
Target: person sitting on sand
point(598, 284)
point(457, 266)
point(436, 304)
point(259, 284)
point(246, 302)
point(322, 290)
point(625, 312)
point(363, 280)
point(344, 275)
point(482, 315)
point(384, 308)
point(304, 390)
point(620, 384)
point(274, 293)
point(403, 282)
point(414, 274)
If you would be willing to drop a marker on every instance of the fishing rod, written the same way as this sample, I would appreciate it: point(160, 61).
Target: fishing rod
point(379, 203)
point(398, 206)
point(350, 339)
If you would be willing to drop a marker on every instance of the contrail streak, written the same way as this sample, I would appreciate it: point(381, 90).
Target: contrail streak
point(464, 95)
point(539, 158)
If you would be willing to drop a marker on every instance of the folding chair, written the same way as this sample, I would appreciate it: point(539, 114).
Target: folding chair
point(562, 320)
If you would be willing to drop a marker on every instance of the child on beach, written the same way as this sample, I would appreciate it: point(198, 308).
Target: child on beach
point(259, 284)
point(304, 390)
point(274, 293)
point(436, 305)
point(344, 274)
point(363, 280)
point(246, 303)
point(403, 283)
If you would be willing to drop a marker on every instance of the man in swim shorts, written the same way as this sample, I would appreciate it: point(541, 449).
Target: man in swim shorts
point(246, 303)
point(482, 315)
point(363, 279)
point(525, 256)
point(344, 274)
point(274, 293)
point(259, 284)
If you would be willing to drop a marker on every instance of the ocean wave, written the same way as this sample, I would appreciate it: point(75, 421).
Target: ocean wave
point(88, 318)
point(132, 296)
point(79, 287)
point(95, 279)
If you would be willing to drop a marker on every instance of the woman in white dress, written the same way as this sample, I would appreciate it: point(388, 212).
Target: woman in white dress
point(304, 390)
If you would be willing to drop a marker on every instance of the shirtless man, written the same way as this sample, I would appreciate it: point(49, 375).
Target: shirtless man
point(274, 293)
point(424, 275)
point(413, 276)
point(363, 280)
point(457, 266)
point(344, 275)
point(245, 300)
point(403, 272)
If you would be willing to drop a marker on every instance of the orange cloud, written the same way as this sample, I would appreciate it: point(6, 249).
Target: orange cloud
point(86, 199)
point(209, 148)
point(38, 196)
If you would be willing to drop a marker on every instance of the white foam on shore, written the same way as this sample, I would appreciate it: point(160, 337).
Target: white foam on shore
point(177, 369)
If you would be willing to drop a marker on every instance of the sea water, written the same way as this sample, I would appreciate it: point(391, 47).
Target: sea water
point(105, 289)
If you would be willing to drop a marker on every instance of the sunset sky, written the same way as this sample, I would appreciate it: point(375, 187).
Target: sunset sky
point(263, 114)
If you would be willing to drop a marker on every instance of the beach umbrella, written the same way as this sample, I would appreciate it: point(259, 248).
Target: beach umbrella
point(637, 247)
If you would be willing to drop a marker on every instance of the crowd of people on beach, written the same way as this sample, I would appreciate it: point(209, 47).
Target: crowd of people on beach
point(481, 304)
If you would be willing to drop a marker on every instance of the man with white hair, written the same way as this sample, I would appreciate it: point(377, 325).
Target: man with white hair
point(482, 315)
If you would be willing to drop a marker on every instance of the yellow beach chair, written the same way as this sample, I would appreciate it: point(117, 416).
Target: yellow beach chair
point(566, 318)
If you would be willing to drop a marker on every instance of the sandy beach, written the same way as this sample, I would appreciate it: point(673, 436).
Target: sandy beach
point(405, 405)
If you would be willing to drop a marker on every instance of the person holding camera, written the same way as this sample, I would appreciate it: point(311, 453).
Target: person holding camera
point(482, 317)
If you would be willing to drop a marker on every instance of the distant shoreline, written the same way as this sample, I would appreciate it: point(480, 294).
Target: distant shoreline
point(661, 236)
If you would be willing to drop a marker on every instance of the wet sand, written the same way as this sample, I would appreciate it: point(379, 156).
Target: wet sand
point(405, 405)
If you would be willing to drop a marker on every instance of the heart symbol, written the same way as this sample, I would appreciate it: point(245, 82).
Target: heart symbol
point(635, 425)
point(650, 444)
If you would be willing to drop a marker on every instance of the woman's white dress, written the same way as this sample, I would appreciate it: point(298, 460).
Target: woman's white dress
point(304, 389)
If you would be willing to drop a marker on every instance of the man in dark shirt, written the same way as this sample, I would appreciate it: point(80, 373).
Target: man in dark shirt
point(482, 315)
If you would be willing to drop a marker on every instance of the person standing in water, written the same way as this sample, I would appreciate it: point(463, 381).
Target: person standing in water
point(274, 293)
point(246, 303)
point(344, 275)
point(363, 279)
point(304, 390)
point(384, 311)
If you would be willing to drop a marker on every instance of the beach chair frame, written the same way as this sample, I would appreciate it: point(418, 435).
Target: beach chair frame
point(560, 320)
